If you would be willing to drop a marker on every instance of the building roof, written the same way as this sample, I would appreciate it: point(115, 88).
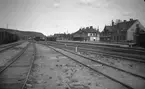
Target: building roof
point(120, 26)
point(125, 25)
point(109, 28)
point(87, 30)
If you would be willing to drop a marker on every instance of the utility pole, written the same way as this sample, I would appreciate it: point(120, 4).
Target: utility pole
point(7, 26)
point(67, 31)
point(5, 31)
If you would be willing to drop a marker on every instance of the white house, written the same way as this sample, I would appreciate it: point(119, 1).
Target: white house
point(131, 31)
point(87, 34)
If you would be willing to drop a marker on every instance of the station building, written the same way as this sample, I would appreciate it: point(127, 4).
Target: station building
point(87, 34)
point(125, 31)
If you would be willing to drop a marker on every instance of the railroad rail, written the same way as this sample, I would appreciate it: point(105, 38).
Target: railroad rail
point(15, 73)
point(8, 46)
point(106, 47)
point(95, 70)
point(25, 82)
point(4, 45)
point(124, 56)
point(129, 86)
point(137, 75)
point(130, 57)
point(84, 50)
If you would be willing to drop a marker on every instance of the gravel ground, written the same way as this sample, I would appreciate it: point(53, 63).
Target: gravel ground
point(136, 83)
point(10, 53)
point(52, 70)
point(131, 66)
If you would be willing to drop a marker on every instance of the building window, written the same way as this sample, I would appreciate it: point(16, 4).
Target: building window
point(88, 34)
point(119, 38)
point(114, 38)
point(123, 37)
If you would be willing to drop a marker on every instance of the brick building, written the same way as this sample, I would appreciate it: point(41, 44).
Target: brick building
point(121, 32)
point(63, 36)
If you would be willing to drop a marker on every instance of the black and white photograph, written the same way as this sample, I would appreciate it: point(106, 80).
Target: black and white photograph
point(72, 44)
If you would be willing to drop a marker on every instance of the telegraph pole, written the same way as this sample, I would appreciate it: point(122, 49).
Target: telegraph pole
point(5, 31)
point(7, 26)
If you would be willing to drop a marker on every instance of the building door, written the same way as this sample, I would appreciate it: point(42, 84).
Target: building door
point(117, 38)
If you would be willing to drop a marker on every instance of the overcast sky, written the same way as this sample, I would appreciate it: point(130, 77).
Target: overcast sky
point(54, 16)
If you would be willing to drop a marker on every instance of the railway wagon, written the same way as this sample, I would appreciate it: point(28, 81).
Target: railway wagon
point(141, 40)
point(52, 38)
point(7, 37)
point(39, 39)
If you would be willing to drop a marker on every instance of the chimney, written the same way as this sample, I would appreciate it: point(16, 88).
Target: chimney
point(98, 29)
point(91, 27)
point(131, 19)
point(112, 23)
point(124, 21)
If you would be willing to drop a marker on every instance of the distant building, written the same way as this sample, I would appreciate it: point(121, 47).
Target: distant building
point(121, 32)
point(59, 36)
point(63, 36)
point(86, 34)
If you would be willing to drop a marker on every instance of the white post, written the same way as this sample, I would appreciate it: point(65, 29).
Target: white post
point(65, 45)
point(131, 45)
point(76, 49)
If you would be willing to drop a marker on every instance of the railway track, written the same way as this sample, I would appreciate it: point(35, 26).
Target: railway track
point(128, 77)
point(6, 47)
point(125, 56)
point(130, 57)
point(120, 69)
point(105, 64)
point(106, 47)
point(15, 73)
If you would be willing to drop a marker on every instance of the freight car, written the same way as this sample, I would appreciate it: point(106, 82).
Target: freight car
point(141, 40)
point(7, 37)
point(39, 38)
point(51, 38)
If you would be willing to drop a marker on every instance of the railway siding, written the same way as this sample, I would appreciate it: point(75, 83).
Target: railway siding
point(126, 54)
point(134, 82)
point(134, 67)
point(53, 70)
point(13, 76)
point(10, 53)
point(130, 66)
